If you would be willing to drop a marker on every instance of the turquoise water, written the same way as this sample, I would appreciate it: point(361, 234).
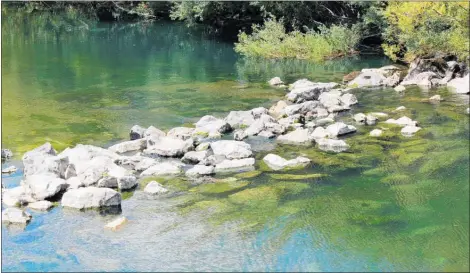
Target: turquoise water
point(389, 204)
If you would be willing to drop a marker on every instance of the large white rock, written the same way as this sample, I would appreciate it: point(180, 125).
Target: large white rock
point(153, 132)
point(170, 147)
point(17, 196)
point(240, 119)
point(136, 162)
point(195, 157)
point(128, 146)
point(43, 186)
point(155, 188)
point(182, 133)
point(277, 110)
point(422, 79)
point(255, 128)
point(163, 168)
point(81, 156)
point(199, 170)
point(231, 149)
point(125, 178)
point(360, 118)
point(299, 136)
point(339, 128)
point(258, 112)
point(235, 165)
point(373, 77)
point(91, 197)
point(403, 121)
point(409, 131)
point(43, 160)
point(332, 145)
point(41, 205)
point(16, 216)
point(210, 124)
point(94, 170)
point(276, 162)
point(301, 108)
point(460, 85)
point(304, 90)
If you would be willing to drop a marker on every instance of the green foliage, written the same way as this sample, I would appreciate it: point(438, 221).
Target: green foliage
point(426, 28)
point(272, 41)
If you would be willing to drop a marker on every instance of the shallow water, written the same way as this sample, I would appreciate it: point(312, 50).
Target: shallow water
point(389, 204)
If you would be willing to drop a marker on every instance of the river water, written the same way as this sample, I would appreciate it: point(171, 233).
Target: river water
point(388, 204)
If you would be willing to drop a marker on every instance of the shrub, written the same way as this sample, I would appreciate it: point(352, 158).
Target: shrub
point(272, 41)
point(426, 28)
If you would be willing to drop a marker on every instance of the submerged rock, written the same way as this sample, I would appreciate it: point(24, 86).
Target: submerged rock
point(409, 130)
point(231, 149)
point(11, 169)
point(400, 88)
point(276, 162)
point(403, 121)
point(275, 81)
point(116, 224)
point(41, 205)
point(332, 145)
point(400, 108)
point(15, 216)
point(376, 133)
point(235, 165)
point(91, 197)
point(435, 98)
point(155, 188)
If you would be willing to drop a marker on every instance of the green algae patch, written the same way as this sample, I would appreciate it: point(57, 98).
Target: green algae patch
point(284, 188)
point(127, 194)
point(397, 179)
point(250, 174)
point(261, 195)
point(219, 187)
point(311, 176)
point(442, 160)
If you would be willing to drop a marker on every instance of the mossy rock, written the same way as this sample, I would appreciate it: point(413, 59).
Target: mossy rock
point(311, 176)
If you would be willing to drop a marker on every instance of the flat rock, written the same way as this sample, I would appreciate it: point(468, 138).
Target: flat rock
point(305, 90)
point(10, 169)
point(17, 196)
point(276, 162)
point(41, 205)
point(91, 197)
point(409, 131)
point(170, 147)
point(235, 165)
point(128, 146)
point(231, 149)
point(319, 133)
point(15, 216)
point(182, 133)
point(460, 85)
point(163, 168)
point(200, 170)
point(403, 121)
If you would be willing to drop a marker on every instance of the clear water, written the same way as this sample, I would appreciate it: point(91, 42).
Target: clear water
point(389, 204)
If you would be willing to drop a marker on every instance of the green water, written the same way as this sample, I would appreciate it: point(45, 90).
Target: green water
point(389, 204)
